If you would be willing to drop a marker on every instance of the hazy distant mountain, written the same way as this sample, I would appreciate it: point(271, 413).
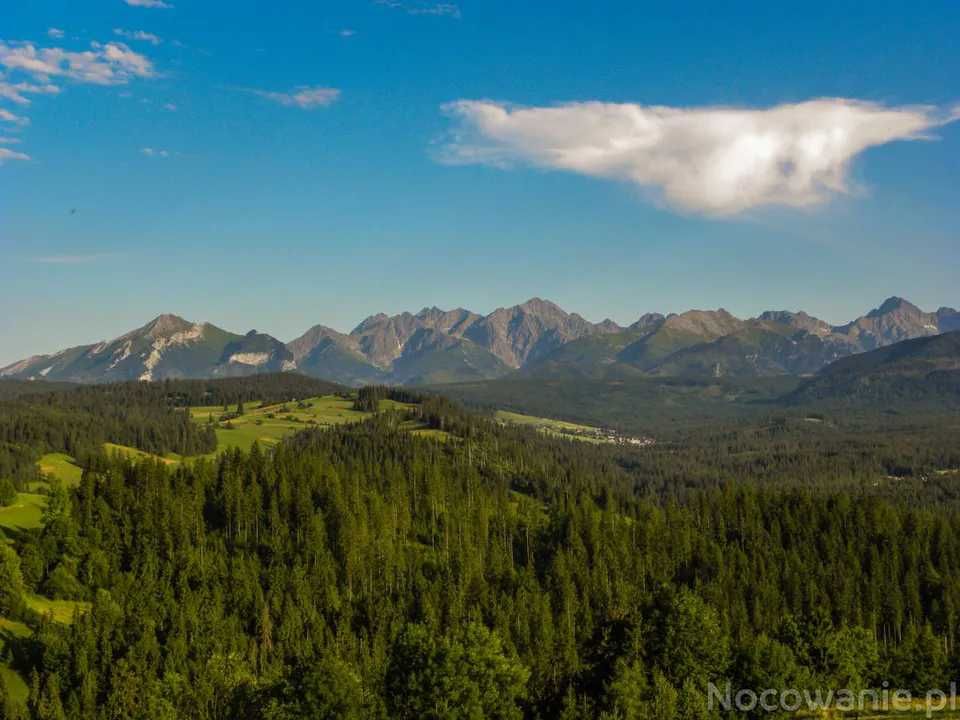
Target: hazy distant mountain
point(895, 320)
point(435, 345)
point(326, 353)
point(166, 347)
point(714, 343)
point(529, 331)
point(535, 338)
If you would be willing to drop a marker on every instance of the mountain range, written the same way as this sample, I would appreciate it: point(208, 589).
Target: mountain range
point(536, 338)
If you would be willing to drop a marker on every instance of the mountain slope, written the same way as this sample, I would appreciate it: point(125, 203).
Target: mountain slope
point(437, 345)
point(166, 347)
point(716, 344)
point(895, 320)
point(431, 356)
point(925, 368)
point(536, 339)
point(677, 332)
point(529, 331)
point(326, 353)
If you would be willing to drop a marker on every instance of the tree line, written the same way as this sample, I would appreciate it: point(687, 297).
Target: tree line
point(362, 572)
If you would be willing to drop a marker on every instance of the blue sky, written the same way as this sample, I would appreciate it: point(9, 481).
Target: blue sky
point(277, 167)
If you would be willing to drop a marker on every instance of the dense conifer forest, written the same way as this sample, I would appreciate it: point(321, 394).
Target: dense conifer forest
point(364, 572)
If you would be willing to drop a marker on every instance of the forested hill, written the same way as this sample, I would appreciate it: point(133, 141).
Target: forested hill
point(924, 369)
point(364, 572)
point(37, 418)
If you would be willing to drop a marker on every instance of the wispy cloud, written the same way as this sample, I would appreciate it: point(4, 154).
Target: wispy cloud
point(17, 92)
point(155, 152)
point(7, 155)
point(55, 33)
point(149, 4)
point(347, 33)
point(713, 161)
point(137, 35)
point(68, 259)
point(7, 116)
point(170, 107)
point(305, 97)
point(111, 63)
point(421, 7)
point(9, 141)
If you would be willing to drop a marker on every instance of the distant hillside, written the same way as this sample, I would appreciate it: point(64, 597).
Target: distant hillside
point(924, 369)
point(637, 404)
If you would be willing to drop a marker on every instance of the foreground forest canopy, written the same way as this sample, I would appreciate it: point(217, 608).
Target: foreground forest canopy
point(489, 571)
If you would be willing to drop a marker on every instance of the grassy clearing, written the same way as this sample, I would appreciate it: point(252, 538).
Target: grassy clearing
point(422, 430)
point(63, 611)
point(134, 454)
point(264, 424)
point(12, 627)
point(269, 424)
point(15, 685)
point(557, 428)
point(24, 514)
point(63, 467)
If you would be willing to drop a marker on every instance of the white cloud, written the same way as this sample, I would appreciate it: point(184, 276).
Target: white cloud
point(148, 4)
point(17, 92)
point(8, 155)
point(305, 98)
point(137, 35)
point(172, 107)
point(713, 160)
point(55, 33)
point(155, 152)
point(111, 63)
point(9, 117)
point(347, 33)
point(9, 141)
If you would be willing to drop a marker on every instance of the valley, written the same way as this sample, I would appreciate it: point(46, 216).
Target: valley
point(622, 447)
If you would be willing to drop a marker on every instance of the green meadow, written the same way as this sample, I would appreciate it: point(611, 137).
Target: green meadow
point(14, 683)
point(268, 424)
point(264, 424)
point(556, 428)
point(62, 611)
point(63, 467)
point(24, 514)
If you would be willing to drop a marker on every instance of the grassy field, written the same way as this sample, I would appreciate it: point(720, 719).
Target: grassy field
point(63, 467)
point(271, 423)
point(15, 685)
point(265, 424)
point(63, 611)
point(134, 454)
point(556, 428)
point(24, 514)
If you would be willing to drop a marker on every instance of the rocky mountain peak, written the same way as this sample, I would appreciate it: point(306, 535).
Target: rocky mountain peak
point(166, 325)
point(796, 321)
point(538, 306)
point(707, 323)
point(894, 304)
point(370, 322)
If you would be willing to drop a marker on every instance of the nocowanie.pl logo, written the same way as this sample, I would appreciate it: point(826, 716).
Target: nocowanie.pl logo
point(775, 700)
